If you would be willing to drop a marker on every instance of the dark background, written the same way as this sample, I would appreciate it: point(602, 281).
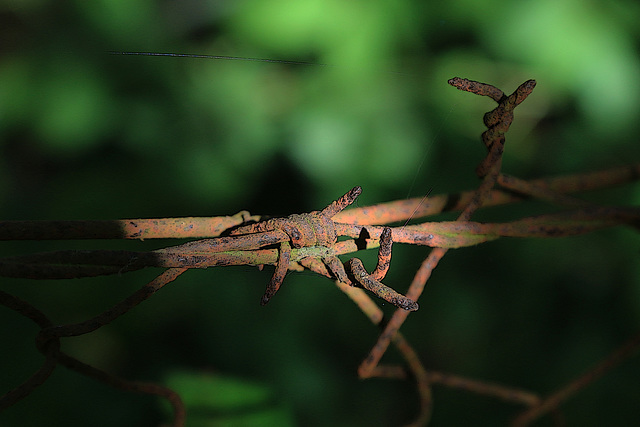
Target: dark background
point(89, 135)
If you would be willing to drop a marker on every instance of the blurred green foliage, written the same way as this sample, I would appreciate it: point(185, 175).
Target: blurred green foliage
point(85, 134)
point(215, 400)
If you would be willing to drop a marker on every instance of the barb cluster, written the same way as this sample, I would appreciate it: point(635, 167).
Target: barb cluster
point(317, 229)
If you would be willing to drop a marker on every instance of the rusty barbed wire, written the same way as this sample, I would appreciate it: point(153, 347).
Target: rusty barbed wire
point(309, 241)
point(245, 249)
point(497, 121)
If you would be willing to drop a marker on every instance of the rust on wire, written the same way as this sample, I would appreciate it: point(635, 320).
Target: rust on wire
point(137, 229)
point(310, 241)
point(384, 255)
point(497, 121)
point(318, 229)
point(362, 277)
point(417, 208)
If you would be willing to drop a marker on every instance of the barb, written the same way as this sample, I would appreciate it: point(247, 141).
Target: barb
point(340, 204)
point(478, 88)
point(384, 255)
point(278, 276)
point(384, 292)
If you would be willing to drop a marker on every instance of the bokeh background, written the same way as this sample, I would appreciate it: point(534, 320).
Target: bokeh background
point(85, 134)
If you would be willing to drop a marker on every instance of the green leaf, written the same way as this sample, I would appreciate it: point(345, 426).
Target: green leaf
point(218, 400)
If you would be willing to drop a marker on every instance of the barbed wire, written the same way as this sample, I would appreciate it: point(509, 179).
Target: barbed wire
point(310, 241)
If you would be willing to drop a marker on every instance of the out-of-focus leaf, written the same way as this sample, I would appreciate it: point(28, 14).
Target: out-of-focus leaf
point(214, 400)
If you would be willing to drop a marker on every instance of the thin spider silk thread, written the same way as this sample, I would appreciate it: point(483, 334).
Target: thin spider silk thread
point(218, 57)
point(424, 158)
